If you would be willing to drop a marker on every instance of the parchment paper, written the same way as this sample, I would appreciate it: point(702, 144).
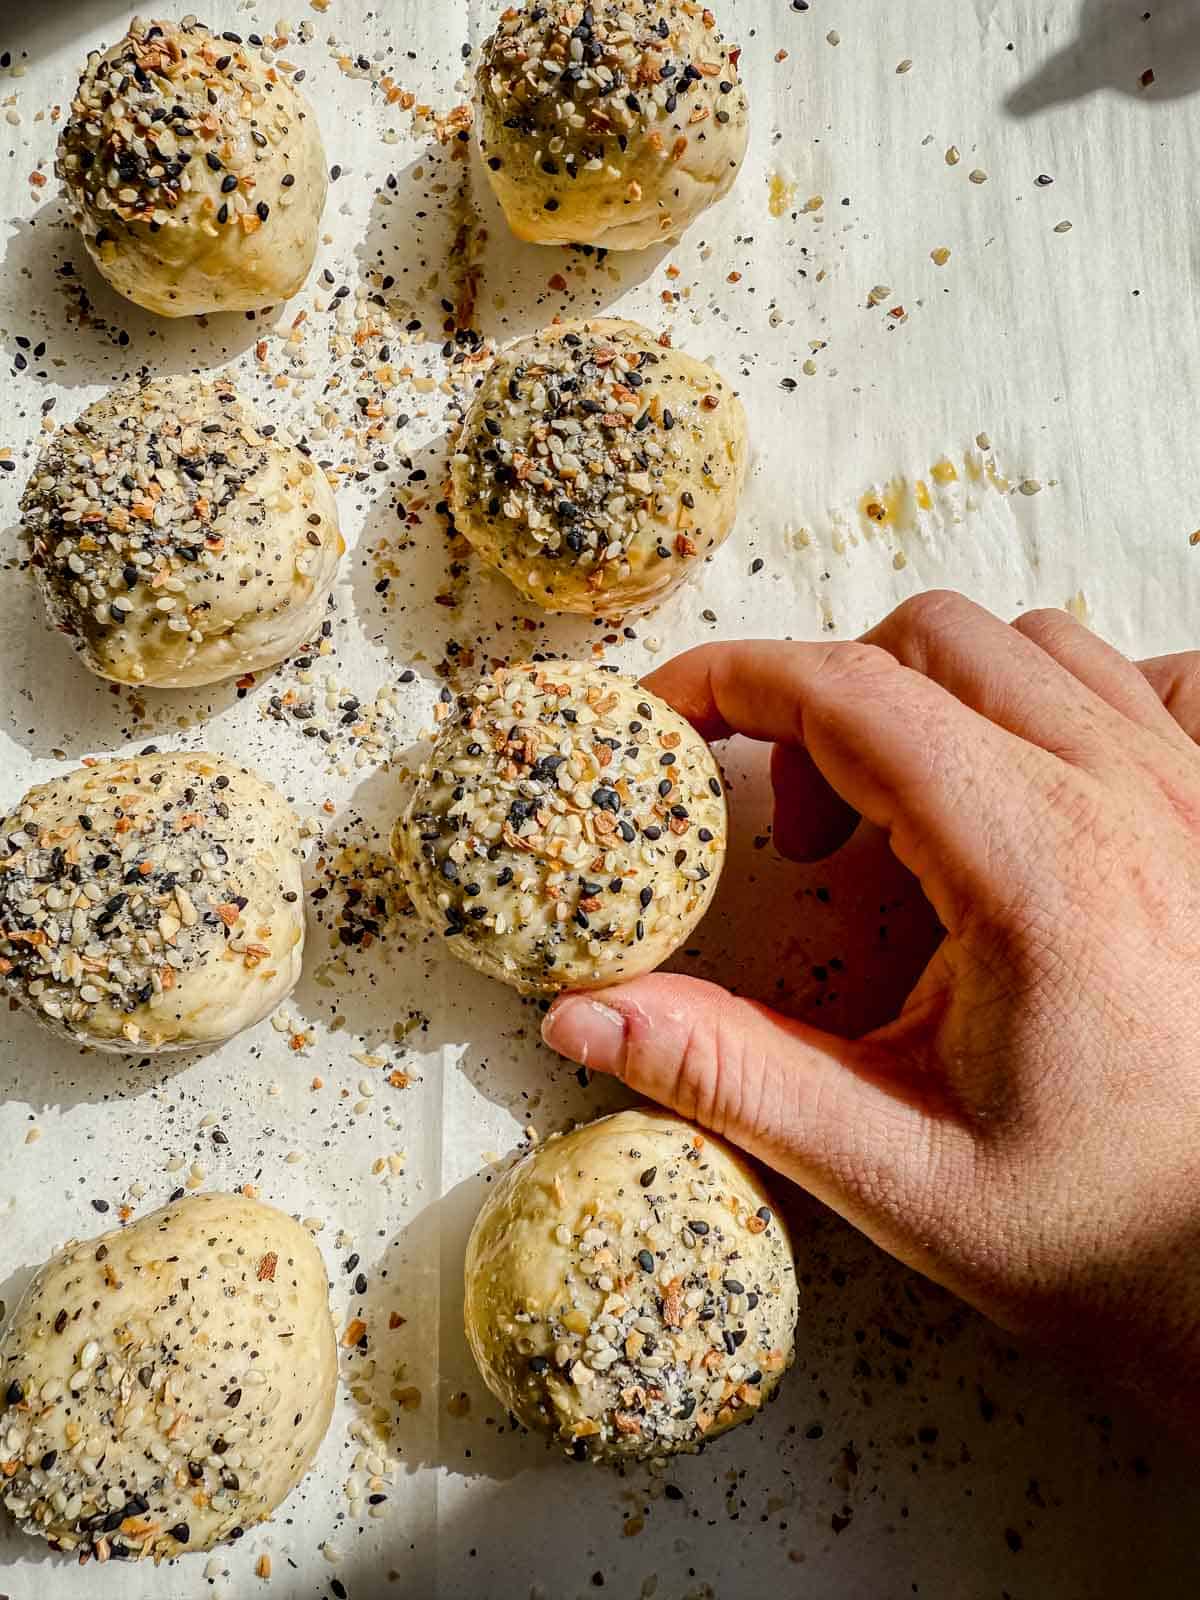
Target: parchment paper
point(1016, 422)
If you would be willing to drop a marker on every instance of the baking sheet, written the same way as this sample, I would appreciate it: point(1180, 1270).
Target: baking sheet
point(1016, 421)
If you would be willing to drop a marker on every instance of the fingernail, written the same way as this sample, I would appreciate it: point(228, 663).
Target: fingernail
point(587, 1031)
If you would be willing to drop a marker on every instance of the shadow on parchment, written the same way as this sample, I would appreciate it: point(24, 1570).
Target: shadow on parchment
point(1148, 52)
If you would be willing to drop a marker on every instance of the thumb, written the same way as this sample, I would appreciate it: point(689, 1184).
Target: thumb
point(834, 1115)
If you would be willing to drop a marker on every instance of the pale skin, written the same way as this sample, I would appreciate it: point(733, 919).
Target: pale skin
point(1027, 1130)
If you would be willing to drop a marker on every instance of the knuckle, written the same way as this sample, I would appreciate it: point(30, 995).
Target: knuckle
point(699, 1083)
point(1047, 622)
point(858, 660)
point(930, 612)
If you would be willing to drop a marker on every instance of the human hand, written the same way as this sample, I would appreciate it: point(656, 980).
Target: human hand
point(1027, 1131)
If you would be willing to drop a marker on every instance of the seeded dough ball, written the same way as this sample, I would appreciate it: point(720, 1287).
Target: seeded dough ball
point(568, 830)
point(630, 1290)
point(613, 124)
point(150, 904)
point(166, 1386)
point(177, 539)
point(597, 468)
point(195, 171)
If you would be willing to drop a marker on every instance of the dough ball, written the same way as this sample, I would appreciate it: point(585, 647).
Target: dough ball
point(166, 1386)
point(568, 831)
point(630, 1290)
point(194, 170)
point(597, 468)
point(613, 124)
point(178, 541)
point(153, 903)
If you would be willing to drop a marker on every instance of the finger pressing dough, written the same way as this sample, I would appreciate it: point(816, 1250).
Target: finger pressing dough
point(611, 124)
point(568, 830)
point(194, 170)
point(176, 538)
point(630, 1289)
point(166, 1386)
point(597, 467)
point(153, 903)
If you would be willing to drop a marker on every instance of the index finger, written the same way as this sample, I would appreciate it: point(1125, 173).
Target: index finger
point(953, 790)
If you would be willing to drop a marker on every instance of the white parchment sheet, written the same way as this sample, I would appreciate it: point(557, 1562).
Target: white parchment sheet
point(1015, 418)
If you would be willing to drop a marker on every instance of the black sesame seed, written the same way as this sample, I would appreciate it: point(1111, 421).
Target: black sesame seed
point(645, 1261)
point(228, 183)
point(14, 1394)
point(648, 1177)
